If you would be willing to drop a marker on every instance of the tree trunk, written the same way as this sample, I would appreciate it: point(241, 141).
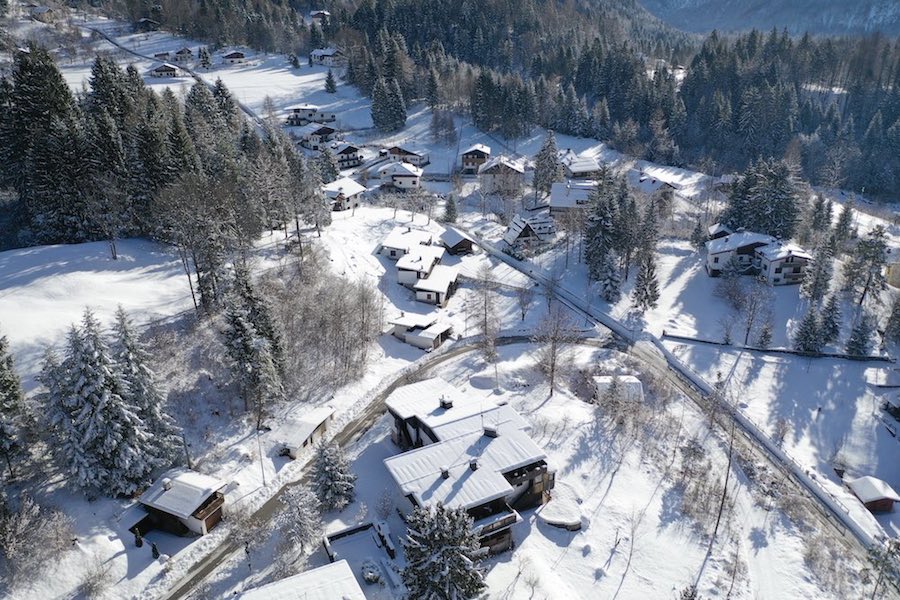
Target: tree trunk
point(187, 271)
point(112, 248)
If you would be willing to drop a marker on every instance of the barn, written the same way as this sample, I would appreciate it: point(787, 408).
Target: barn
point(875, 494)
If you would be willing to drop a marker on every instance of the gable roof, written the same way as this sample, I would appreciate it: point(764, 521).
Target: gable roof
point(478, 149)
point(421, 258)
point(164, 67)
point(569, 194)
point(326, 52)
point(501, 161)
point(187, 491)
point(412, 321)
point(343, 186)
point(733, 241)
point(235, 54)
point(346, 149)
point(334, 581)
point(439, 281)
point(579, 164)
point(717, 228)
point(184, 50)
point(406, 151)
point(419, 472)
point(406, 238)
point(311, 129)
point(452, 236)
point(400, 169)
point(870, 489)
point(542, 226)
point(779, 251)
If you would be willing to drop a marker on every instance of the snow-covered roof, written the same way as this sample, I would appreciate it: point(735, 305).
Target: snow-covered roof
point(165, 67)
point(334, 581)
point(296, 431)
point(421, 258)
point(779, 251)
point(311, 129)
point(501, 160)
point(184, 50)
point(299, 107)
point(420, 472)
point(325, 52)
point(569, 194)
point(733, 241)
point(235, 54)
point(423, 397)
point(717, 228)
point(453, 236)
point(869, 489)
point(346, 149)
point(542, 225)
point(406, 238)
point(631, 386)
point(407, 151)
point(400, 169)
point(439, 281)
point(180, 492)
point(579, 164)
point(346, 186)
point(478, 148)
point(434, 331)
point(414, 320)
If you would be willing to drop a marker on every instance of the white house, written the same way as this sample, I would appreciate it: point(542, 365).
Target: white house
point(529, 229)
point(402, 240)
point(401, 175)
point(302, 114)
point(348, 156)
point(319, 17)
point(741, 245)
point(501, 175)
point(307, 430)
point(329, 57)
point(314, 135)
point(782, 264)
point(579, 167)
point(421, 331)
point(184, 500)
point(184, 55)
point(475, 156)
point(343, 193)
point(418, 264)
point(630, 387)
point(234, 58)
point(165, 70)
point(413, 156)
point(567, 195)
point(438, 286)
point(334, 581)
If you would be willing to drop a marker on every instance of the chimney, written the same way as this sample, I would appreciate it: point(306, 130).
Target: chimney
point(167, 484)
point(491, 431)
point(473, 464)
point(445, 473)
point(446, 403)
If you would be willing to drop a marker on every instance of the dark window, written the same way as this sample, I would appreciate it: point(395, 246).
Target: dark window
point(716, 259)
point(778, 270)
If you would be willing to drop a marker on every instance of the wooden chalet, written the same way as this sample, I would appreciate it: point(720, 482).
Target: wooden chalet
point(538, 228)
point(184, 55)
point(145, 25)
point(412, 156)
point(875, 494)
point(474, 157)
point(457, 242)
point(183, 501)
point(234, 58)
point(348, 156)
point(165, 70)
point(329, 57)
point(314, 135)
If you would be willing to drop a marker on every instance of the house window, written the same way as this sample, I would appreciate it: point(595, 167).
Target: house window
point(716, 260)
point(393, 253)
point(428, 297)
point(778, 269)
point(765, 267)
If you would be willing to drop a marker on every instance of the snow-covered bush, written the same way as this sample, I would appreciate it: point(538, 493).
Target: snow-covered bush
point(30, 534)
point(96, 580)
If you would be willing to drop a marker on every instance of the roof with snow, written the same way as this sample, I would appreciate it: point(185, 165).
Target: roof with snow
point(569, 194)
point(407, 151)
point(579, 164)
point(501, 161)
point(420, 472)
point(421, 258)
point(235, 54)
point(311, 129)
point(423, 397)
point(343, 186)
point(180, 492)
point(414, 320)
point(733, 241)
point(452, 236)
point(325, 52)
point(717, 228)
point(165, 67)
point(334, 581)
point(406, 238)
point(631, 386)
point(779, 251)
point(439, 281)
point(184, 51)
point(542, 226)
point(871, 489)
point(400, 169)
point(308, 422)
point(478, 149)
point(434, 331)
point(299, 107)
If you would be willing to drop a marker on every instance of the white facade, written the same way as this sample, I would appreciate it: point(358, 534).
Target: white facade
point(421, 331)
point(501, 175)
point(348, 156)
point(741, 246)
point(438, 286)
point(314, 136)
point(402, 240)
point(234, 58)
point(308, 113)
point(329, 57)
point(782, 264)
point(403, 176)
point(165, 70)
point(418, 264)
point(343, 193)
point(415, 157)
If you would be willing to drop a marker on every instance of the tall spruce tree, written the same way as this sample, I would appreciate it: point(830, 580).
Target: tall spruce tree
point(808, 337)
point(441, 555)
point(328, 165)
point(860, 341)
point(610, 278)
point(830, 326)
point(450, 210)
point(646, 287)
point(330, 83)
point(765, 199)
point(817, 280)
point(332, 477)
point(547, 169)
point(864, 273)
point(892, 326)
point(13, 416)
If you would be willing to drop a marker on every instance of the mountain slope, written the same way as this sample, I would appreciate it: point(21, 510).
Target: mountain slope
point(798, 16)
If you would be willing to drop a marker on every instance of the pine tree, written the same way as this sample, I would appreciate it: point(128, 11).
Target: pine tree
point(610, 278)
point(831, 321)
point(808, 337)
point(698, 237)
point(328, 166)
point(205, 58)
point(646, 287)
point(259, 313)
point(843, 229)
point(860, 341)
point(765, 199)
point(892, 327)
point(381, 116)
point(765, 335)
point(547, 169)
point(332, 477)
point(441, 555)
point(450, 211)
point(865, 271)
point(267, 387)
point(817, 279)
point(240, 337)
point(300, 521)
point(142, 391)
point(13, 416)
point(330, 83)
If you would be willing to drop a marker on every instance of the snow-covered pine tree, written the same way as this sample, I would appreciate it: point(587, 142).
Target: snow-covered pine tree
point(332, 477)
point(240, 337)
point(13, 414)
point(397, 104)
point(267, 386)
point(300, 521)
point(892, 327)
point(611, 278)
point(864, 273)
point(646, 287)
point(808, 337)
point(204, 57)
point(860, 341)
point(328, 165)
point(330, 83)
point(450, 211)
point(441, 555)
point(142, 391)
point(600, 230)
point(698, 237)
point(259, 312)
point(765, 335)
point(843, 229)
point(547, 169)
point(817, 279)
point(830, 324)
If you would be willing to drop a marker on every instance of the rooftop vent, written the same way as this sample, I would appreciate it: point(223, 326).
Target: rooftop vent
point(445, 473)
point(473, 464)
point(446, 403)
point(167, 484)
point(491, 431)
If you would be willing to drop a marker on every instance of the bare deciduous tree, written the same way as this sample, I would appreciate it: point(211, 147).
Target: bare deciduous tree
point(554, 334)
point(524, 298)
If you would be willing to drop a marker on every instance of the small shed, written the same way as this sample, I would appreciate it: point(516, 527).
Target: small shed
point(875, 494)
point(630, 387)
point(183, 501)
point(308, 430)
point(456, 242)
